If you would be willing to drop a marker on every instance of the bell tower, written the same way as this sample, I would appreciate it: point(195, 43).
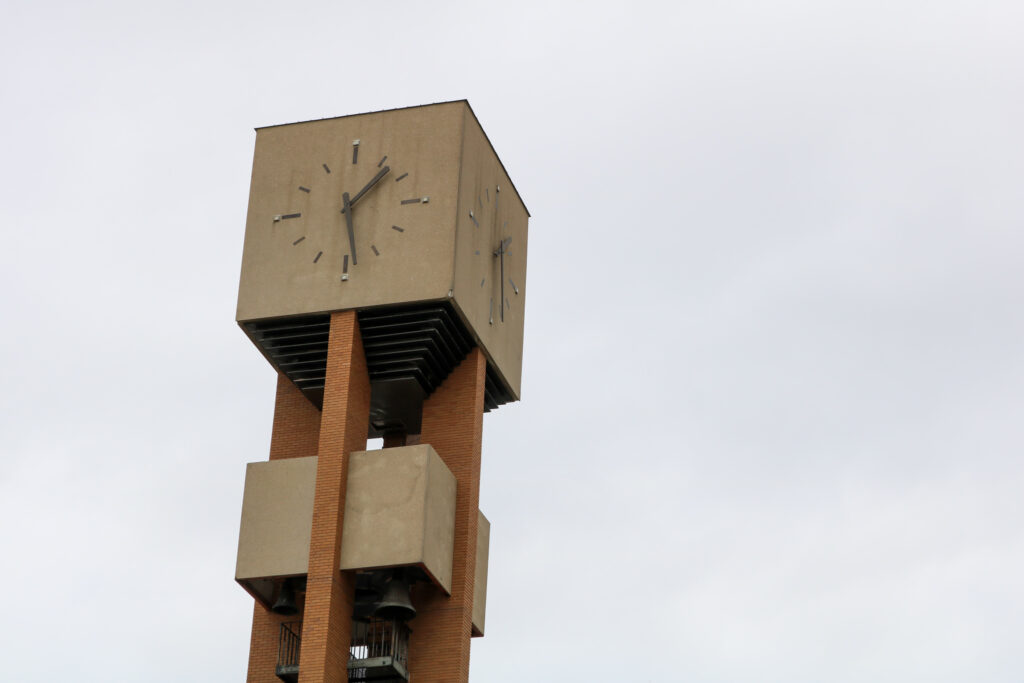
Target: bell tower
point(384, 279)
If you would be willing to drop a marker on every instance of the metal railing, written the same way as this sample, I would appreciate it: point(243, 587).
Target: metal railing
point(375, 638)
point(377, 647)
point(288, 645)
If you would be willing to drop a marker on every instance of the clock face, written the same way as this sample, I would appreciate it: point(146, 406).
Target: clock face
point(494, 249)
point(345, 215)
point(490, 282)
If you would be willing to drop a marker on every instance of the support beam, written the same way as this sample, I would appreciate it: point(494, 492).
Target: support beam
point(327, 617)
point(296, 434)
point(453, 425)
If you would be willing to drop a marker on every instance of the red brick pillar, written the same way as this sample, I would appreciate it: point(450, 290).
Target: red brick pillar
point(296, 434)
point(266, 629)
point(327, 617)
point(453, 425)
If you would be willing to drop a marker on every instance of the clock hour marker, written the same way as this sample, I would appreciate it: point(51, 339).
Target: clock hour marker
point(400, 177)
point(298, 240)
point(373, 247)
point(490, 313)
point(488, 191)
point(474, 219)
point(318, 255)
point(417, 200)
point(514, 288)
point(395, 227)
point(381, 162)
point(507, 304)
point(286, 217)
point(355, 151)
point(344, 268)
point(482, 281)
point(326, 168)
point(304, 189)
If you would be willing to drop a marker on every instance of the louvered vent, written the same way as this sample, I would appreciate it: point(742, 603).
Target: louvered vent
point(424, 343)
point(420, 344)
point(298, 348)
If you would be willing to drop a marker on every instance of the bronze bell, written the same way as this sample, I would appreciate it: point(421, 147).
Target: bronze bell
point(285, 603)
point(395, 604)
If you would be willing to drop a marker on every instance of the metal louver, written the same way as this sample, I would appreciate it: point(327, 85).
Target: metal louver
point(409, 349)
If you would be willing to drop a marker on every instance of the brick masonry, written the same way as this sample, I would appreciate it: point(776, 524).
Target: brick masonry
point(296, 434)
point(453, 425)
point(327, 620)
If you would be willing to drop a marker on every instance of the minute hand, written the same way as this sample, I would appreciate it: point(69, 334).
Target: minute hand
point(376, 179)
point(500, 253)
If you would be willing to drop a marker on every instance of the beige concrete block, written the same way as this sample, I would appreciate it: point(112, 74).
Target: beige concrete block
point(483, 546)
point(488, 292)
point(400, 511)
point(277, 514)
point(443, 249)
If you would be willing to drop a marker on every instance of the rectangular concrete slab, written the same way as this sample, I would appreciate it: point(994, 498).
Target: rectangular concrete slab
point(277, 514)
point(483, 547)
point(400, 511)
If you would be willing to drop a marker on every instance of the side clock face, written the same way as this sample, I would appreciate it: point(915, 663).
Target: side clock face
point(494, 245)
point(344, 214)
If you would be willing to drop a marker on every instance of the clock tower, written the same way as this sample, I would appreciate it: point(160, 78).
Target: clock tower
point(384, 279)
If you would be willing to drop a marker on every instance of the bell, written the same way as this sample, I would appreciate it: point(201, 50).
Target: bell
point(395, 604)
point(285, 603)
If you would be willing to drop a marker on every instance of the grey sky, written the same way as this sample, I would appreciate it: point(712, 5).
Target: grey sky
point(772, 390)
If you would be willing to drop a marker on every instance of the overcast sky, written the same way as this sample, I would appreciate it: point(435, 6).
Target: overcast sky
point(771, 426)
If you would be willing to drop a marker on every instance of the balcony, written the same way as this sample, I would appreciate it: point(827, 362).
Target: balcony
point(379, 651)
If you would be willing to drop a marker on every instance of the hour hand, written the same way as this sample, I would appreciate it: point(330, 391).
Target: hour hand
point(373, 181)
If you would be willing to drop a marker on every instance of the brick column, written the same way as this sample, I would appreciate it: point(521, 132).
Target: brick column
point(266, 627)
point(327, 617)
point(453, 425)
point(296, 434)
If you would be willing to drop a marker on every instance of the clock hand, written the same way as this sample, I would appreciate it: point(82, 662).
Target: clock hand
point(347, 210)
point(376, 179)
point(500, 253)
